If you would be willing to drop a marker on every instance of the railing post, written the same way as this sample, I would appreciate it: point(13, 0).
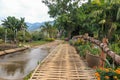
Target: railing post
point(103, 55)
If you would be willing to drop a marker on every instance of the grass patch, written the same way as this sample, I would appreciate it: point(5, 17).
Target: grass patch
point(36, 43)
point(28, 76)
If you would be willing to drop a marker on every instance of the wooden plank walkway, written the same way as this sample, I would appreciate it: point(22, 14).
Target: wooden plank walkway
point(63, 63)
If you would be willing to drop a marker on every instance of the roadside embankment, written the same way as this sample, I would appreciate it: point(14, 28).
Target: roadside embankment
point(12, 50)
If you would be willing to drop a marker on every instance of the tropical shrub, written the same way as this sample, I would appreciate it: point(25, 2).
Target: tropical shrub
point(49, 39)
point(83, 49)
point(71, 42)
point(1, 41)
point(108, 74)
point(115, 47)
point(95, 51)
point(79, 41)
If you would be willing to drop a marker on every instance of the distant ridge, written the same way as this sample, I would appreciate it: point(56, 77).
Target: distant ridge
point(35, 26)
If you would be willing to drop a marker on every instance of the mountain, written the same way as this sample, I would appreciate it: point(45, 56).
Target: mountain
point(35, 26)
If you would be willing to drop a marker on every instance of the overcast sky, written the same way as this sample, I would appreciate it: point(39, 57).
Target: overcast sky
point(32, 10)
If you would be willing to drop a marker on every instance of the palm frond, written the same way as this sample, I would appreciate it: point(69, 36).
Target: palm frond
point(118, 14)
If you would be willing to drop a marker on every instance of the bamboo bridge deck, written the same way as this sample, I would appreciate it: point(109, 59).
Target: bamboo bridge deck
point(63, 63)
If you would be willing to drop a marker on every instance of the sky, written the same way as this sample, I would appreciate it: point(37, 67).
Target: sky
point(32, 10)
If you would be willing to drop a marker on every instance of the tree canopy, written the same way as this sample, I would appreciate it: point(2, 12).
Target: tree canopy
point(13, 23)
point(96, 17)
point(14, 26)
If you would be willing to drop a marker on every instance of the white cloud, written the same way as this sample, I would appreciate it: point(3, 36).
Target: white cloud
point(32, 10)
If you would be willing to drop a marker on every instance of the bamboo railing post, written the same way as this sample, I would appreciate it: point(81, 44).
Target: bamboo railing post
point(103, 55)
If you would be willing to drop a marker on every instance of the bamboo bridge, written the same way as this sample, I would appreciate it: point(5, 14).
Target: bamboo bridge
point(63, 63)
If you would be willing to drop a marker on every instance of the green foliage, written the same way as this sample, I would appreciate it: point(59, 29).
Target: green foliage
point(49, 39)
point(101, 16)
point(20, 36)
point(28, 76)
point(48, 30)
point(71, 42)
point(95, 51)
point(2, 31)
point(37, 35)
point(108, 74)
point(13, 23)
point(83, 49)
point(10, 34)
point(36, 43)
point(78, 42)
point(1, 41)
point(118, 14)
point(28, 36)
point(115, 47)
point(64, 11)
point(23, 36)
point(58, 7)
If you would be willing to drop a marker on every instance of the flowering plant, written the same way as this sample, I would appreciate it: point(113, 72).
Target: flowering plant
point(108, 74)
point(79, 41)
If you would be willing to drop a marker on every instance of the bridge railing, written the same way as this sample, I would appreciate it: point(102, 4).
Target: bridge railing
point(115, 57)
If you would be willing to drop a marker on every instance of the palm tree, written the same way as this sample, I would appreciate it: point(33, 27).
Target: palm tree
point(14, 24)
point(2, 31)
point(22, 24)
point(49, 30)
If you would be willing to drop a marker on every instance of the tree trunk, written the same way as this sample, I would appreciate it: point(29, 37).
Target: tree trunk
point(69, 34)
